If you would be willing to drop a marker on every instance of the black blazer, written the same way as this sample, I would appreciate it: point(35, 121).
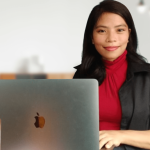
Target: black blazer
point(134, 96)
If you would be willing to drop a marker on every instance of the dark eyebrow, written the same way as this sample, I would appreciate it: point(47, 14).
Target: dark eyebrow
point(107, 27)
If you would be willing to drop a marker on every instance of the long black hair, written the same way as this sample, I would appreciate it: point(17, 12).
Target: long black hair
point(92, 65)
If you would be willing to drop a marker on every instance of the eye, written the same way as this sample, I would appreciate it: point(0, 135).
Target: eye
point(120, 30)
point(101, 31)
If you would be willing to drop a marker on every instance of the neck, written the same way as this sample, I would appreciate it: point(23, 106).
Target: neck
point(111, 66)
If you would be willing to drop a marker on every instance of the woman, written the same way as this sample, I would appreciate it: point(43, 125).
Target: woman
point(110, 56)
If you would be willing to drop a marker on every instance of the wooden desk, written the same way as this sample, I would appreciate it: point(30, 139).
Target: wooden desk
point(37, 76)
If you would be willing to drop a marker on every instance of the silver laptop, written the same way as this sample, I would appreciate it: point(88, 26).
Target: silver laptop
point(44, 114)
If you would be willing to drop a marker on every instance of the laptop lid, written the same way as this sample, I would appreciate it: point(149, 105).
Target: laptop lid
point(44, 114)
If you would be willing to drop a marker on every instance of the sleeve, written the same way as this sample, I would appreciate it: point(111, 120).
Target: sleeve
point(128, 147)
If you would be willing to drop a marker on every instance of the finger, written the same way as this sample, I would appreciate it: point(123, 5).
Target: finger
point(109, 144)
point(101, 146)
point(112, 147)
point(104, 141)
point(102, 135)
point(100, 132)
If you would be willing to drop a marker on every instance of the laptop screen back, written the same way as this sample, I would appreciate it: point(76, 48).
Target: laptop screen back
point(49, 114)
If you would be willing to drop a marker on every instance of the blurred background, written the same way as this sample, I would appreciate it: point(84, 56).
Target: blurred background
point(43, 38)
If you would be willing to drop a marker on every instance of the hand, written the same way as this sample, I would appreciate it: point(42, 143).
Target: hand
point(112, 148)
point(109, 138)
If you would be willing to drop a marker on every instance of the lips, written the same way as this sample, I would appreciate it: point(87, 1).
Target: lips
point(111, 48)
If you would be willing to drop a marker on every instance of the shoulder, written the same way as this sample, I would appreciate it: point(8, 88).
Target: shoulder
point(77, 67)
point(140, 72)
point(77, 73)
point(135, 67)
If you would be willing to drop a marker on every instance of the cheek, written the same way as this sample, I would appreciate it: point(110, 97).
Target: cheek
point(124, 39)
point(99, 40)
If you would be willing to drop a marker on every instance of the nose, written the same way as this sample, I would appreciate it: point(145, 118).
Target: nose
point(111, 37)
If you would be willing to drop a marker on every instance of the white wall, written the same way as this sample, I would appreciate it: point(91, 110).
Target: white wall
point(142, 25)
point(53, 32)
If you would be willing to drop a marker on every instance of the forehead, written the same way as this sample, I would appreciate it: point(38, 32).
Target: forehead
point(110, 19)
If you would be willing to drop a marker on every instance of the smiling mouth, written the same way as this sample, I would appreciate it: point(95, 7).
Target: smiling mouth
point(111, 48)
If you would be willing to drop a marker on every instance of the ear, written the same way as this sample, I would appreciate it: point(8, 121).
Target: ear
point(129, 31)
point(92, 41)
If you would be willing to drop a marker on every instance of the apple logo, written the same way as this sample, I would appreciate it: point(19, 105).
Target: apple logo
point(40, 121)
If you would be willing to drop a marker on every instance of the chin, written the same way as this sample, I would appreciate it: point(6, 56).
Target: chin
point(111, 58)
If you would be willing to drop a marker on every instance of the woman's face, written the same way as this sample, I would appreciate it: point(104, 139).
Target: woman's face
point(110, 30)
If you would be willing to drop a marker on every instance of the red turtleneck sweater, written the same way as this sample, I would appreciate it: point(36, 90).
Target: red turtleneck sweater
point(109, 103)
